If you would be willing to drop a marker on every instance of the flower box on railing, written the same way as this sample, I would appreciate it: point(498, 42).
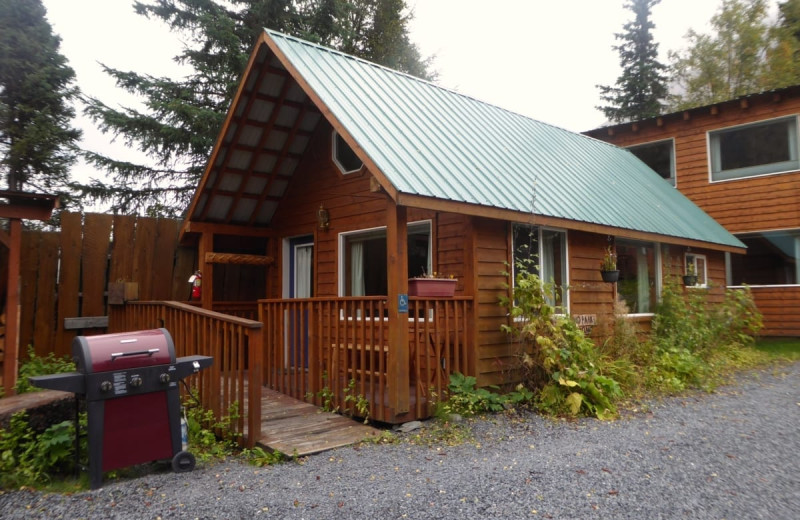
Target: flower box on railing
point(432, 287)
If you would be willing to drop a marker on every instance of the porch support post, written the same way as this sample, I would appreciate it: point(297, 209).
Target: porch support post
point(207, 269)
point(397, 281)
point(10, 361)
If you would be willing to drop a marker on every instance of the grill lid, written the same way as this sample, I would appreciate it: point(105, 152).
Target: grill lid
point(123, 351)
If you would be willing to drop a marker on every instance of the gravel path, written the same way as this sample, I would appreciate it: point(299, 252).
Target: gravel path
point(732, 454)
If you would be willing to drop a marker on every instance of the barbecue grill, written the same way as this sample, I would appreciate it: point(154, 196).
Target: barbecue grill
point(130, 384)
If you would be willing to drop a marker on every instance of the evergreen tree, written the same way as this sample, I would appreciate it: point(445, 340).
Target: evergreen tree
point(182, 118)
point(730, 63)
point(641, 88)
point(783, 55)
point(37, 144)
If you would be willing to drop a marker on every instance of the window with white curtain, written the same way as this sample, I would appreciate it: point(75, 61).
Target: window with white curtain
point(363, 271)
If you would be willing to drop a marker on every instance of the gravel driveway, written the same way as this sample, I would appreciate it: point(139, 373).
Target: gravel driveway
point(732, 454)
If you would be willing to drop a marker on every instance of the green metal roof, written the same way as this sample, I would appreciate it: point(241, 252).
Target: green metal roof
point(434, 142)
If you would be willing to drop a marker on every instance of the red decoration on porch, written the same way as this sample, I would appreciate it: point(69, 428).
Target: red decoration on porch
point(432, 287)
point(196, 280)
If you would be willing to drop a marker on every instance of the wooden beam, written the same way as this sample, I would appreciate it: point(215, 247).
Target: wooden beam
point(207, 270)
point(397, 269)
point(236, 258)
point(227, 229)
point(11, 353)
point(87, 322)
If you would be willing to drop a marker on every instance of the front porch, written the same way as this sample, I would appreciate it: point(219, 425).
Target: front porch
point(336, 353)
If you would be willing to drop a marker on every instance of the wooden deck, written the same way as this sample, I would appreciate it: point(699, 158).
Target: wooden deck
point(295, 427)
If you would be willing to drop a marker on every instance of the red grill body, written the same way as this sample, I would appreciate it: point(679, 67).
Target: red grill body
point(130, 384)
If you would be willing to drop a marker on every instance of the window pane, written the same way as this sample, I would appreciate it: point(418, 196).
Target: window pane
point(551, 266)
point(365, 259)
point(637, 269)
point(754, 150)
point(526, 249)
point(344, 156)
point(658, 156)
point(771, 259)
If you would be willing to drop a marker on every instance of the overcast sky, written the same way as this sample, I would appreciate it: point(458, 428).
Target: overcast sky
point(540, 58)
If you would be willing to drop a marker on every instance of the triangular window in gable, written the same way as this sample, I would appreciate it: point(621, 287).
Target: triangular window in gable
point(344, 157)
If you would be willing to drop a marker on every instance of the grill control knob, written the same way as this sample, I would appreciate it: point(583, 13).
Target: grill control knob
point(164, 378)
point(106, 386)
point(136, 381)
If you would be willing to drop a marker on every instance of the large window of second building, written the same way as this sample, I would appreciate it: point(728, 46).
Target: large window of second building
point(754, 149)
point(773, 258)
point(659, 156)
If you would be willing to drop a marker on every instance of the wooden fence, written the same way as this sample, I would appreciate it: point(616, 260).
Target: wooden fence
point(66, 274)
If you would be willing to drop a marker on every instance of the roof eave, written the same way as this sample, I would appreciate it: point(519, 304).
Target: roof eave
point(464, 208)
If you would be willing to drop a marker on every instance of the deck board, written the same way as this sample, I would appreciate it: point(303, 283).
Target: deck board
point(294, 427)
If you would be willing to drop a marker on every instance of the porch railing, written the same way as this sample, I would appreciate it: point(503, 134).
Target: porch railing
point(232, 385)
point(247, 310)
point(336, 352)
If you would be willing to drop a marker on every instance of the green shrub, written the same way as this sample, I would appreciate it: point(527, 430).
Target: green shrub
point(464, 398)
point(696, 341)
point(40, 366)
point(556, 359)
point(209, 437)
point(28, 459)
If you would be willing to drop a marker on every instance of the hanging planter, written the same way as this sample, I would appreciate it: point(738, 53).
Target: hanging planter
point(432, 287)
point(610, 276)
point(608, 267)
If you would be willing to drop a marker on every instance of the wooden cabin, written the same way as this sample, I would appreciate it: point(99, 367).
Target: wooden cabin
point(738, 160)
point(334, 181)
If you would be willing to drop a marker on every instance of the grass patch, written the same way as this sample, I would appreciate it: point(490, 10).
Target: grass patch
point(787, 349)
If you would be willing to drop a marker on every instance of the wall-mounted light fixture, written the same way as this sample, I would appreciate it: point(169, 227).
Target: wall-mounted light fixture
point(323, 218)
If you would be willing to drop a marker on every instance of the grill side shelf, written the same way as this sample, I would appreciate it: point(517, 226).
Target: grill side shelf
point(74, 382)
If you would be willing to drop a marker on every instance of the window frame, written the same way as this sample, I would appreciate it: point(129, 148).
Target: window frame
point(673, 179)
point(716, 174)
point(657, 269)
point(377, 231)
point(564, 287)
point(335, 137)
point(702, 280)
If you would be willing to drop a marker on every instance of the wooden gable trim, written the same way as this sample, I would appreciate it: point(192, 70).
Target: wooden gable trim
point(328, 114)
point(464, 208)
point(233, 146)
point(220, 138)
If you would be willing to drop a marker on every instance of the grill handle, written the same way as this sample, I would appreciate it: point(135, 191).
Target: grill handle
point(149, 352)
